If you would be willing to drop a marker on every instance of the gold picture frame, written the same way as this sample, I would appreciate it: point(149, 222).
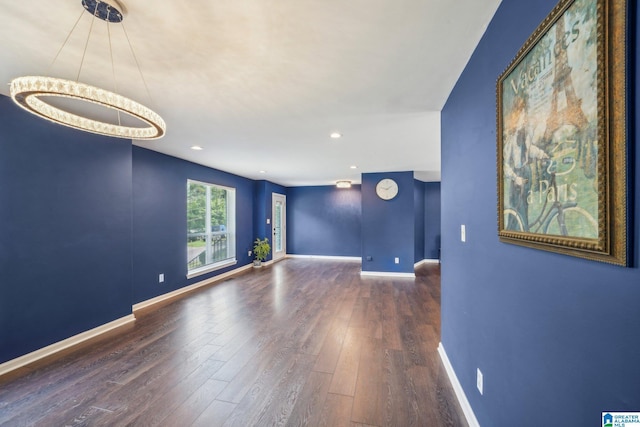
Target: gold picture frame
point(562, 135)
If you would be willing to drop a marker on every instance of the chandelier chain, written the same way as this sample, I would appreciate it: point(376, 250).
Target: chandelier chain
point(65, 42)
point(86, 44)
point(113, 69)
point(137, 63)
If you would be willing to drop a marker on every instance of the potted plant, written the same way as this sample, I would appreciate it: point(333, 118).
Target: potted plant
point(261, 249)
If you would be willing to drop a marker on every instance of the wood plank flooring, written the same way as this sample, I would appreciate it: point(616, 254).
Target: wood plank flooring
point(299, 343)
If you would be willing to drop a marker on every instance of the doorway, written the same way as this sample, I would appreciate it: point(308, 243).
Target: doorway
point(279, 215)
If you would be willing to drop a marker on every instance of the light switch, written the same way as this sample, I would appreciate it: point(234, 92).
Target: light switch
point(463, 233)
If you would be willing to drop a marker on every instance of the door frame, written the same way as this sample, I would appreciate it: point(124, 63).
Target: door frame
point(276, 256)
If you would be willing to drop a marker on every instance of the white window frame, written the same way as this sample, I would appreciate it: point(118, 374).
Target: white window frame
point(230, 229)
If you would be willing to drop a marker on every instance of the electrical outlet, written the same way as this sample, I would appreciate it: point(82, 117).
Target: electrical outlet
point(479, 381)
point(249, 253)
point(369, 258)
point(397, 260)
point(268, 220)
point(463, 233)
point(161, 278)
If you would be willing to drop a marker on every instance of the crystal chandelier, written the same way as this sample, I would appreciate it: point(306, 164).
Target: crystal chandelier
point(27, 92)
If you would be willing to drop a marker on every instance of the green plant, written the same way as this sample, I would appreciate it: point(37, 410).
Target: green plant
point(261, 249)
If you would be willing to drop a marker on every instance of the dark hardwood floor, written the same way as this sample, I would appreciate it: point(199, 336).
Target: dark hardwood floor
point(302, 342)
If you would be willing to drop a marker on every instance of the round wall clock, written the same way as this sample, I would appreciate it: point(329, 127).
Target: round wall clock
point(387, 189)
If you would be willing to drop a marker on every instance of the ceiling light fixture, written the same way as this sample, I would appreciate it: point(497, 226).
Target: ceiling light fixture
point(336, 135)
point(263, 171)
point(353, 167)
point(196, 147)
point(343, 184)
point(26, 91)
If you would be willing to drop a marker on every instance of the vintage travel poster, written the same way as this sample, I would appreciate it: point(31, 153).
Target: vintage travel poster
point(549, 117)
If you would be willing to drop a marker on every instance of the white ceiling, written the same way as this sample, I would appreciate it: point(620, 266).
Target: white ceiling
point(260, 85)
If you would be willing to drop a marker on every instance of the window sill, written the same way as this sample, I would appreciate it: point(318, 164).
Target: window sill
point(212, 267)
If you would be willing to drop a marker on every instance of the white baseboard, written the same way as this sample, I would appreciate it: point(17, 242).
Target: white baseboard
point(388, 274)
point(327, 257)
point(34, 356)
point(457, 388)
point(173, 294)
point(426, 261)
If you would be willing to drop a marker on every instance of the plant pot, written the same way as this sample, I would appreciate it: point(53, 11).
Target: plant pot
point(257, 263)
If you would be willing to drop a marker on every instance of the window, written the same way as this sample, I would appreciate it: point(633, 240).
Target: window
point(211, 237)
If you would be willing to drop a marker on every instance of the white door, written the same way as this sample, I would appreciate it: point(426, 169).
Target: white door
point(279, 215)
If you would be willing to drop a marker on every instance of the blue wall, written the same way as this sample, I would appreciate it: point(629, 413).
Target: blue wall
point(388, 226)
point(86, 225)
point(556, 337)
point(419, 206)
point(432, 220)
point(260, 229)
point(160, 218)
point(65, 231)
point(263, 209)
point(324, 220)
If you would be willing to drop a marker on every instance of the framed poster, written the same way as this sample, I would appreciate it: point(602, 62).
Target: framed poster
point(561, 135)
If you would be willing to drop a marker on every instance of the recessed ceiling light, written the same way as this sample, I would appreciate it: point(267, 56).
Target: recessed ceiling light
point(336, 135)
point(263, 171)
point(196, 147)
point(353, 167)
